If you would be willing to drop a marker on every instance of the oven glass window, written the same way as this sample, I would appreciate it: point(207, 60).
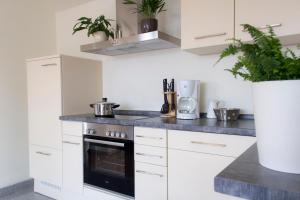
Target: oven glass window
point(107, 159)
point(109, 164)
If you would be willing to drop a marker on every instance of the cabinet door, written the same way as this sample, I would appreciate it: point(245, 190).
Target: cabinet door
point(191, 175)
point(44, 102)
point(72, 166)
point(45, 165)
point(206, 23)
point(283, 15)
point(150, 182)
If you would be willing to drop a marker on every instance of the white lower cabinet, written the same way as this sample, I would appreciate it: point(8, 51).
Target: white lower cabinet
point(45, 168)
point(45, 165)
point(150, 182)
point(72, 168)
point(151, 172)
point(191, 175)
point(194, 159)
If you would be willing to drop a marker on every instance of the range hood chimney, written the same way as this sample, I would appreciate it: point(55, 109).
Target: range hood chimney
point(133, 41)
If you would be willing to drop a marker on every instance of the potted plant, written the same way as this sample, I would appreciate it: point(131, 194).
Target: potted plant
point(276, 90)
point(100, 28)
point(149, 9)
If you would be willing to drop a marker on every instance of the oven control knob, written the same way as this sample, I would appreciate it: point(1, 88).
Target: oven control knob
point(91, 131)
point(117, 134)
point(107, 133)
point(112, 134)
point(123, 135)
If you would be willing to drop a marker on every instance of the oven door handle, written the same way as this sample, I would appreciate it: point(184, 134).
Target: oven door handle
point(117, 144)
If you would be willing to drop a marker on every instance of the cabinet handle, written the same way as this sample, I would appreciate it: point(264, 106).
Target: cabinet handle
point(149, 173)
point(149, 155)
point(209, 144)
point(210, 36)
point(73, 143)
point(267, 26)
point(44, 154)
point(149, 137)
point(49, 64)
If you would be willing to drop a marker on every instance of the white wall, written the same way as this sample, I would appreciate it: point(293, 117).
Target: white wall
point(70, 44)
point(27, 30)
point(135, 81)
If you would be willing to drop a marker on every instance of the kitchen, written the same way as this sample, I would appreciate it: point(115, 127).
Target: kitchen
point(184, 159)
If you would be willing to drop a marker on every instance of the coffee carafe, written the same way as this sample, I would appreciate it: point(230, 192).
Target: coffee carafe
point(188, 99)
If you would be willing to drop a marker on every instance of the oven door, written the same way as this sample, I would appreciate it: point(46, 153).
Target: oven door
point(109, 164)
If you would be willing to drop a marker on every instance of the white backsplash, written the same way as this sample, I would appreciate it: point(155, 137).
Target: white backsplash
point(135, 81)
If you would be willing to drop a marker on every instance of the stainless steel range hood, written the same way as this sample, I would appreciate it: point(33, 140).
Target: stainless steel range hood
point(132, 41)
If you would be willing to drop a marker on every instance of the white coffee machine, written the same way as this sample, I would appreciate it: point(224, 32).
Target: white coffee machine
point(188, 99)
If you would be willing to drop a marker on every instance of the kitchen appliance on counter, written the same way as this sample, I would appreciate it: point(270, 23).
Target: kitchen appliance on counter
point(109, 157)
point(227, 114)
point(188, 99)
point(104, 108)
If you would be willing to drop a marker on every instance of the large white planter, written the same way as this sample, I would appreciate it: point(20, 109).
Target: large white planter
point(277, 121)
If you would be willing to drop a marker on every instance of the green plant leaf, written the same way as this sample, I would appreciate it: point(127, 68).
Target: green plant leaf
point(263, 59)
point(149, 8)
point(92, 26)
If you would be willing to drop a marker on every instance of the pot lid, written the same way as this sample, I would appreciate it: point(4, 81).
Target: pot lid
point(104, 101)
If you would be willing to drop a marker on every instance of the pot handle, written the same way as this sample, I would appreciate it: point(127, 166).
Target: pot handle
point(116, 106)
point(92, 105)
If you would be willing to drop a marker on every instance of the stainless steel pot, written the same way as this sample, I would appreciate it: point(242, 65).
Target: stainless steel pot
point(104, 108)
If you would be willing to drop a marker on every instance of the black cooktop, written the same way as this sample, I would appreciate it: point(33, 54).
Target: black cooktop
point(129, 117)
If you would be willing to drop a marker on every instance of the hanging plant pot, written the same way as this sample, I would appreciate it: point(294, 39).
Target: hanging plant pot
point(149, 25)
point(277, 114)
point(100, 36)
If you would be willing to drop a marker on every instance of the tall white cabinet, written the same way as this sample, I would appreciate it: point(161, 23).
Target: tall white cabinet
point(57, 85)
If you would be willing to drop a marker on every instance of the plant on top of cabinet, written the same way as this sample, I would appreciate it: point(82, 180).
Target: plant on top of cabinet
point(100, 28)
point(276, 91)
point(149, 9)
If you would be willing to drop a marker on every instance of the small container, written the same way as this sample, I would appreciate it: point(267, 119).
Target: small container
point(227, 114)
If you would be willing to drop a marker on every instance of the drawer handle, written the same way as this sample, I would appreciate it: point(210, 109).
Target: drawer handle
point(73, 143)
point(149, 155)
point(49, 64)
point(44, 154)
point(210, 36)
point(149, 173)
point(267, 26)
point(209, 144)
point(149, 137)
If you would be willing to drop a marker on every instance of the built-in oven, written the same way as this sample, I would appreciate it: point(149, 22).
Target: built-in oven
point(109, 157)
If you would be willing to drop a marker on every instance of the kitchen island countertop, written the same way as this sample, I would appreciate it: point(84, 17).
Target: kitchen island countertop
point(246, 178)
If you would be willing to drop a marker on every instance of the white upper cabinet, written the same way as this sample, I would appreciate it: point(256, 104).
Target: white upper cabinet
point(44, 102)
point(206, 24)
point(282, 15)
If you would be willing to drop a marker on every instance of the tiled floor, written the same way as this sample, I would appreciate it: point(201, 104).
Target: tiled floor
point(24, 195)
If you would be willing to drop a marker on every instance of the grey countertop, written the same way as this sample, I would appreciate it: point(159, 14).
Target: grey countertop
point(241, 127)
point(246, 178)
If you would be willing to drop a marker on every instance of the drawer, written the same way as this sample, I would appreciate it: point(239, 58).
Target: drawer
point(46, 165)
point(227, 145)
point(150, 182)
point(151, 155)
point(150, 136)
point(72, 128)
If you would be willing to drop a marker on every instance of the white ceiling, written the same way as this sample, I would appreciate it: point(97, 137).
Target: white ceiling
point(65, 4)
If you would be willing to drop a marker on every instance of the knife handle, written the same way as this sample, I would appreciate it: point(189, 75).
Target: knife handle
point(165, 85)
